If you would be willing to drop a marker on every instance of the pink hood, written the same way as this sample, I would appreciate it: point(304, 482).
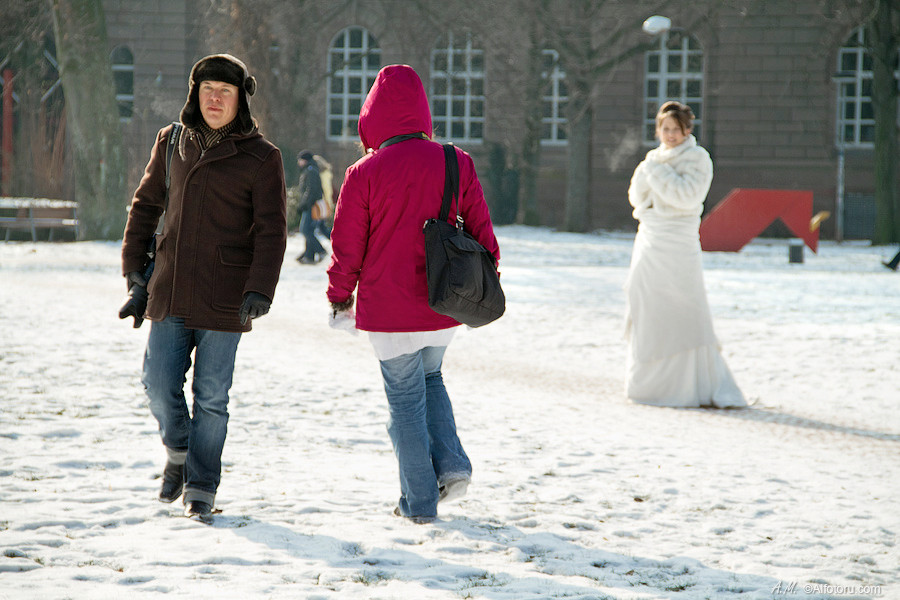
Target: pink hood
point(396, 104)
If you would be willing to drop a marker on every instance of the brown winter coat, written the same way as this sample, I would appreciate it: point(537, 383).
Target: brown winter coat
point(225, 228)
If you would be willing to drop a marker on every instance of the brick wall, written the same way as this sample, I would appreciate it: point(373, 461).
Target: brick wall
point(160, 35)
point(769, 98)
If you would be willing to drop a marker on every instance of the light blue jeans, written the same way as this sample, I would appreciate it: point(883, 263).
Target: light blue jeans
point(200, 433)
point(422, 429)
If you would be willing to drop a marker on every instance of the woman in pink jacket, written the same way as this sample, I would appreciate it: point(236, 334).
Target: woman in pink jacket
point(379, 251)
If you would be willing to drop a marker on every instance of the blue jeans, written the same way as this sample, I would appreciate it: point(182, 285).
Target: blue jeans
point(422, 429)
point(201, 433)
point(308, 227)
point(323, 228)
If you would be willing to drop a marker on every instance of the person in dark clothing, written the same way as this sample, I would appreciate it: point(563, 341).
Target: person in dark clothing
point(310, 193)
point(218, 261)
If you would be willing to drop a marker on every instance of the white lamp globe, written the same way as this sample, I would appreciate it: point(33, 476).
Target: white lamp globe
point(657, 24)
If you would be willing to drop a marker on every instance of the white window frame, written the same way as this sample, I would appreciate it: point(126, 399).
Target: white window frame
point(554, 123)
point(457, 90)
point(689, 48)
point(118, 68)
point(850, 96)
point(343, 104)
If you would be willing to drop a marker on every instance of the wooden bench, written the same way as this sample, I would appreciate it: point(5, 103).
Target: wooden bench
point(38, 213)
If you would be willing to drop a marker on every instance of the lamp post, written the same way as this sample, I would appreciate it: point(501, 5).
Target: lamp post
point(841, 78)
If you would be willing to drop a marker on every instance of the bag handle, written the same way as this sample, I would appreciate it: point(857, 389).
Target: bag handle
point(451, 184)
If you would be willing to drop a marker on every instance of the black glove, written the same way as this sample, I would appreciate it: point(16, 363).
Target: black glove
point(254, 305)
point(337, 307)
point(136, 304)
point(135, 278)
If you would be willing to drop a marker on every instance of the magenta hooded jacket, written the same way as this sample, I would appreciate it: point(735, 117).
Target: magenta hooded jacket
point(387, 195)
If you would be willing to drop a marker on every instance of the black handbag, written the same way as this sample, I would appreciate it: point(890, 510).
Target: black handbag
point(463, 281)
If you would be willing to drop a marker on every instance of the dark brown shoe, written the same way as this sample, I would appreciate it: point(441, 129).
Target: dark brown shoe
point(414, 519)
point(199, 510)
point(172, 483)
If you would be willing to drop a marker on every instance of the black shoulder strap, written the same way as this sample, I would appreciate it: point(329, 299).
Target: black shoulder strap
point(174, 136)
point(451, 182)
point(419, 135)
point(170, 150)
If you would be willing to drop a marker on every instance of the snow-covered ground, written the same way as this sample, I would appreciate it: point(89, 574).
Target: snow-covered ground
point(576, 492)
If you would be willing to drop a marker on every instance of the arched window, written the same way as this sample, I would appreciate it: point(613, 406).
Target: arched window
point(553, 100)
point(354, 60)
point(856, 115)
point(457, 89)
point(122, 61)
point(674, 71)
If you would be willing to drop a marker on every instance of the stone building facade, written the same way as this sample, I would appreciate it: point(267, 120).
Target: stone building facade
point(152, 47)
point(780, 90)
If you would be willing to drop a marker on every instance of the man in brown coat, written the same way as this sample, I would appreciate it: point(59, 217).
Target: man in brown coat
point(217, 263)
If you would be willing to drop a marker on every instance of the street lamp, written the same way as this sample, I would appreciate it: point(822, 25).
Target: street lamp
point(657, 24)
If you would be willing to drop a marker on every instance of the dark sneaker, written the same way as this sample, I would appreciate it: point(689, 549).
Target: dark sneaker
point(172, 483)
point(453, 489)
point(200, 510)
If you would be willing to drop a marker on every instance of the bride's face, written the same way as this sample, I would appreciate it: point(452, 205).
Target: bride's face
point(670, 134)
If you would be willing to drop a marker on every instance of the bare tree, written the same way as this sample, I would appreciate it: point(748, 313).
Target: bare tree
point(27, 50)
point(281, 44)
point(514, 41)
point(882, 20)
point(593, 37)
point(241, 28)
point(93, 116)
point(885, 37)
point(516, 38)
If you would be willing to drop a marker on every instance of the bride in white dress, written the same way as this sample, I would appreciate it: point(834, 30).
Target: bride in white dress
point(673, 354)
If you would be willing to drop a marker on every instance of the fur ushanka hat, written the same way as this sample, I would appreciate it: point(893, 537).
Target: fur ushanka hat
point(228, 69)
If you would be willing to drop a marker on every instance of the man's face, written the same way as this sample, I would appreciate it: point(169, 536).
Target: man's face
point(218, 103)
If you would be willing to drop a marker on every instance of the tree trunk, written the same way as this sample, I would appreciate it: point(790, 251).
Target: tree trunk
point(531, 148)
point(884, 101)
point(578, 159)
point(92, 116)
point(531, 142)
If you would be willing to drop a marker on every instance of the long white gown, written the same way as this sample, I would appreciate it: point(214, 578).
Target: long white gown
point(674, 358)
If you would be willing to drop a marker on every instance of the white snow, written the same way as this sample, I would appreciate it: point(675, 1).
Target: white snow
point(576, 492)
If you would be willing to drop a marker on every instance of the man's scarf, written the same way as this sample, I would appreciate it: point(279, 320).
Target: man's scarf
point(209, 137)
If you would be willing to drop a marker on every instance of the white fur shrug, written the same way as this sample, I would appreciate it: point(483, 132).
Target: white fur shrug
point(672, 181)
